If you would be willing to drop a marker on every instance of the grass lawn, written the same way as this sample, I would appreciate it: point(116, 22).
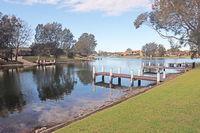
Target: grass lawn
point(61, 58)
point(173, 107)
point(34, 58)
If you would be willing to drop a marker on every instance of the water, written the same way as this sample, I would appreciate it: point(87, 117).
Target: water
point(41, 96)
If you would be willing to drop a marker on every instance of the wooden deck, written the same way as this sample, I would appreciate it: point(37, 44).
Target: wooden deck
point(135, 77)
point(45, 62)
point(162, 67)
point(107, 85)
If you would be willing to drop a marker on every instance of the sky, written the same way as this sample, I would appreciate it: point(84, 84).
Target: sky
point(111, 21)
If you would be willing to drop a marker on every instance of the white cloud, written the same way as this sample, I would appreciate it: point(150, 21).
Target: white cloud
point(30, 2)
point(110, 7)
point(42, 1)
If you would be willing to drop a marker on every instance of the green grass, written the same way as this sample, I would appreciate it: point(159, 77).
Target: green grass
point(34, 58)
point(173, 107)
point(61, 58)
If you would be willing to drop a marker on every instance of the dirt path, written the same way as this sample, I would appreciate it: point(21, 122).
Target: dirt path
point(25, 62)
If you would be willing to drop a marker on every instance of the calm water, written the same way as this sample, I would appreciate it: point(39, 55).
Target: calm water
point(40, 96)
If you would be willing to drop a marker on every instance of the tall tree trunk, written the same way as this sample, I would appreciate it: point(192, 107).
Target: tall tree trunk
point(16, 54)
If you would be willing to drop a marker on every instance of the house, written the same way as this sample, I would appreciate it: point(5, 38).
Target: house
point(132, 53)
point(23, 51)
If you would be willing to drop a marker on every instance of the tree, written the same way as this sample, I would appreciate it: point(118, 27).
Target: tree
point(161, 50)
point(129, 49)
point(21, 34)
point(174, 19)
point(5, 31)
point(174, 47)
point(86, 44)
point(150, 49)
point(5, 36)
point(53, 38)
point(14, 33)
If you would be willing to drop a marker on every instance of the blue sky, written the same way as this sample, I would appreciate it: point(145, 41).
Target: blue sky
point(111, 21)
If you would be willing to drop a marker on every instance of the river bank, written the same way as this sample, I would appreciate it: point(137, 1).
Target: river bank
point(173, 104)
point(129, 93)
point(23, 62)
point(143, 57)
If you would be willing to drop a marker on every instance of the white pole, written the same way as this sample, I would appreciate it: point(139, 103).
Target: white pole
point(111, 73)
point(139, 72)
point(94, 71)
point(143, 65)
point(102, 69)
point(132, 80)
point(119, 70)
point(149, 63)
point(164, 74)
point(158, 76)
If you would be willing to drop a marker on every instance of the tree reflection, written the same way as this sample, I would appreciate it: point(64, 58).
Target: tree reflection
point(54, 82)
point(84, 72)
point(11, 97)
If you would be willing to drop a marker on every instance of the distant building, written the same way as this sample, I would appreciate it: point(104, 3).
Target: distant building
point(23, 51)
point(132, 53)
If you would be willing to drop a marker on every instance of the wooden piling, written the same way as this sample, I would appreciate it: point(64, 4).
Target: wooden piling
point(93, 75)
point(132, 79)
point(102, 69)
point(139, 83)
point(119, 79)
point(164, 74)
point(111, 73)
point(158, 76)
point(142, 68)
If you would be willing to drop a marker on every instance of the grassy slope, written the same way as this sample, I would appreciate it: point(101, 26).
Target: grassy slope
point(61, 58)
point(171, 107)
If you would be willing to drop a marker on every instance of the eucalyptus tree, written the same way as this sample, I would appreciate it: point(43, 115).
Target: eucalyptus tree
point(51, 36)
point(150, 49)
point(14, 33)
point(174, 19)
point(86, 44)
point(21, 35)
point(161, 50)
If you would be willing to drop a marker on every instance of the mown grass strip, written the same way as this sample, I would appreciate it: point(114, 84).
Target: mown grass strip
point(173, 107)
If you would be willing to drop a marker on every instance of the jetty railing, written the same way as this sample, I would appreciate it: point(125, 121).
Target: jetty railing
point(160, 69)
point(130, 76)
point(46, 62)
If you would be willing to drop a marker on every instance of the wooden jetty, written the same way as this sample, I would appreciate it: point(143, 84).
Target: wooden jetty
point(107, 85)
point(46, 62)
point(130, 76)
point(164, 68)
point(149, 68)
point(189, 65)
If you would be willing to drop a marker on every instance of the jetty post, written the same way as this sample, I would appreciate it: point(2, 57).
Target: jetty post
point(164, 74)
point(149, 63)
point(111, 74)
point(140, 73)
point(142, 68)
point(102, 70)
point(158, 76)
point(93, 74)
point(132, 79)
point(119, 79)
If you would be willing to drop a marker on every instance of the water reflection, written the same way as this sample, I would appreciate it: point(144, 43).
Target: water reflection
point(84, 72)
point(54, 82)
point(40, 96)
point(11, 97)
